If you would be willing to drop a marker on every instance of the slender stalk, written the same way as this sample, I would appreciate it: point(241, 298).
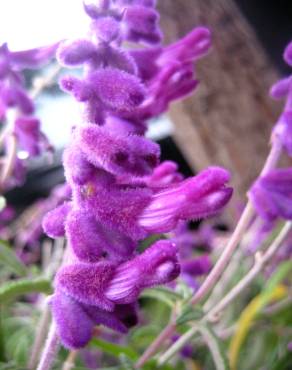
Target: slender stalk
point(176, 347)
point(40, 336)
point(155, 345)
point(2, 343)
point(225, 257)
point(258, 267)
point(50, 350)
point(10, 159)
point(70, 360)
point(260, 263)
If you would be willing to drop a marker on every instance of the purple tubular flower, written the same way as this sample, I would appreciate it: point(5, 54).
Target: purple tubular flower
point(54, 221)
point(157, 265)
point(201, 196)
point(288, 54)
point(119, 155)
point(102, 285)
point(271, 195)
point(194, 45)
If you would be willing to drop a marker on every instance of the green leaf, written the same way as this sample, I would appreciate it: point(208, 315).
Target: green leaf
point(164, 295)
point(190, 313)
point(13, 289)
point(114, 349)
point(279, 275)
point(10, 261)
point(215, 346)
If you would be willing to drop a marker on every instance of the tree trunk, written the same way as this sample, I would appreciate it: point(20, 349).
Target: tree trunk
point(229, 118)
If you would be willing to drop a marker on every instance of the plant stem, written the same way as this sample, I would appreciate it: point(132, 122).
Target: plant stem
point(251, 275)
point(223, 260)
point(50, 350)
point(70, 361)
point(2, 342)
point(178, 345)
point(155, 345)
point(9, 162)
point(243, 283)
point(39, 337)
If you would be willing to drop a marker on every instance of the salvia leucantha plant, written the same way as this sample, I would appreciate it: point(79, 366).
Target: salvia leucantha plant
point(129, 283)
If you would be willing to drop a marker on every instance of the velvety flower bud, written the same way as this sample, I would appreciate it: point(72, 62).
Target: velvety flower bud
point(157, 265)
point(76, 52)
point(164, 175)
point(271, 195)
point(281, 88)
point(141, 24)
point(90, 240)
point(86, 282)
point(77, 168)
point(54, 221)
point(288, 54)
point(118, 90)
point(132, 154)
point(194, 198)
point(106, 29)
point(73, 323)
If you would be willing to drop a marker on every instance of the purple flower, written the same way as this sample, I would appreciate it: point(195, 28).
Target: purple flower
point(198, 197)
point(101, 293)
point(271, 195)
point(120, 192)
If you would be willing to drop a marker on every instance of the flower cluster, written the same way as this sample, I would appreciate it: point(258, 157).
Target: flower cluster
point(13, 97)
point(271, 193)
point(120, 192)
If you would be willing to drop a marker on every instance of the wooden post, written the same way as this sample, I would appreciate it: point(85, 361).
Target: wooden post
point(229, 118)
